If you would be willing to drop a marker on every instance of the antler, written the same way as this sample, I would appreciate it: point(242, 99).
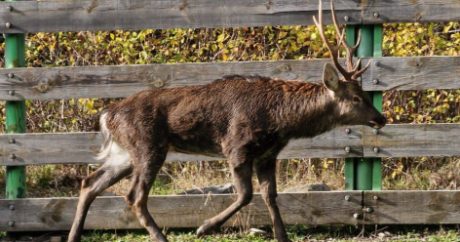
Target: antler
point(352, 72)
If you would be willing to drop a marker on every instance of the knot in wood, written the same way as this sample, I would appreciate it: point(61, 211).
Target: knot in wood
point(158, 83)
point(43, 86)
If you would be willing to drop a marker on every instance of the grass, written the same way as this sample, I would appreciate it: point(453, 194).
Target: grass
point(296, 234)
point(402, 173)
point(422, 173)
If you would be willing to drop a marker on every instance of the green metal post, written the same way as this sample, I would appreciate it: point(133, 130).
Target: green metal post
point(365, 174)
point(364, 166)
point(350, 164)
point(15, 115)
point(377, 98)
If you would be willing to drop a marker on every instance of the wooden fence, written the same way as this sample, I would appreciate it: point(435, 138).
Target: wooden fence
point(347, 207)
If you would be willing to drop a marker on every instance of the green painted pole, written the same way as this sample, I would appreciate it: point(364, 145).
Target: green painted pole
point(350, 163)
point(365, 174)
point(15, 115)
point(364, 166)
point(377, 98)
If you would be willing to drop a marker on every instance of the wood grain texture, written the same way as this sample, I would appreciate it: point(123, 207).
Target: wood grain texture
point(184, 211)
point(412, 207)
point(401, 140)
point(124, 80)
point(57, 148)
point(408, 73)
point(413, 73)
point(409, 140)
point(56, 15)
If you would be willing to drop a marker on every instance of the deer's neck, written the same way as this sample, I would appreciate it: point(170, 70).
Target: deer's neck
point(308, 111)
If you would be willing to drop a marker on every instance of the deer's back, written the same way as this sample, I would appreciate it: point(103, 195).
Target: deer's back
point(203, 119)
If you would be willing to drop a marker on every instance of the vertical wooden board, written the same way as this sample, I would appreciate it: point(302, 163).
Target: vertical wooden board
point(401, 140)
point(412, 207)
point(51, 214)
point(413, 73)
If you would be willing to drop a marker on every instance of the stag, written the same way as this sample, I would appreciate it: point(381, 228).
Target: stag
point(247, 119)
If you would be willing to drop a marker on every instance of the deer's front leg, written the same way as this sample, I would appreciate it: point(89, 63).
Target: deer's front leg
point(266, 174)
point(242, 172)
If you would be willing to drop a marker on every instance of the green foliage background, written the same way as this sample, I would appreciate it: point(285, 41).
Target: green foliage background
point(239, 44)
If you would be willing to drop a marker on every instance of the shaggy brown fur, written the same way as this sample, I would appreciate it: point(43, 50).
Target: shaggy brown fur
point(248, 119)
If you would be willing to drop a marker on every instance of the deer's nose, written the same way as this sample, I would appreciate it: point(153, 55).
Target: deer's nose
point(383, 120)
point(378, 122)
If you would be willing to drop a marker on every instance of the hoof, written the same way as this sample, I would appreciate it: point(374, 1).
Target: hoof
point(204, 229)
point(159, 237)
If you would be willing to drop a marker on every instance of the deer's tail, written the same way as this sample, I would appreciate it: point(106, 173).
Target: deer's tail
point(108, 141)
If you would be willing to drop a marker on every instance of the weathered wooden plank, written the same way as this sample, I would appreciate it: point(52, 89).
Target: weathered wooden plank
point(314, 208)
point(186, 211)
point(412, 207)
point(403, 140)
point(53, 148)
point(118, 81)
point(413, 73)
point(56, 15)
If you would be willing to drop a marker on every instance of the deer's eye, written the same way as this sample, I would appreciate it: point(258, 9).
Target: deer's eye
point(357, 100)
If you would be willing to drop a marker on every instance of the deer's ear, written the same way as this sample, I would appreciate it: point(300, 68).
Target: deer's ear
point(331, 77)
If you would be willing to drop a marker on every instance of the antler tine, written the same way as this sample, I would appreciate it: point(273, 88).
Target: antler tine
point(319, 25)
point(333, 50)
point(351, 51)
point(334, 20)
point(323, 37)
point(356, 67)
point(360, 72)
point(352, 71)
point(341, 37)
point(358, 41)
point(340, 33)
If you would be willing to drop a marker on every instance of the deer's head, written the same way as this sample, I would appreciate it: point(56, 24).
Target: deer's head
point(354, 104)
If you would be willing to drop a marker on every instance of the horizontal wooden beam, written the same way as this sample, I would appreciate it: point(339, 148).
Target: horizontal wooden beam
point(57, 148)
point(410, 140)
point(124, 80)
point(408, 73)
point(184, 211)
point(413, 73)
point(411, 207)
point(401, 140)
point(56, 15)
point(188, 211)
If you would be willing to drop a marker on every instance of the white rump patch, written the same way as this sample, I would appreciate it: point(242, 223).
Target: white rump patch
point(117, 156)
point(110, 151)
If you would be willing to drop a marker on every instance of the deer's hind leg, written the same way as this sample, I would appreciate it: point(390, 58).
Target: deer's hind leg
point(144, 175)
point(241, 167)
point(113, 170)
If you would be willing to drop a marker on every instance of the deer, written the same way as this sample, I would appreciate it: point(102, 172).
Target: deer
point(247, 119)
